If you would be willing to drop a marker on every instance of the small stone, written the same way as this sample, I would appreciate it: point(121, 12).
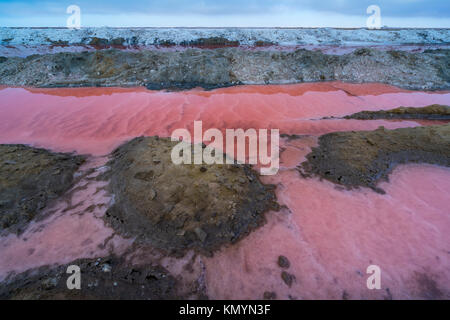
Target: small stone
point(283, 262)
point(270, 295)
point(242, 180)
point(152, 194)
point(106, 268)
point(203, 169)
point(168, 208)
point(49, 283)
point(287, 278)
point(345, 295)
point(200, 234)
point(260, 197)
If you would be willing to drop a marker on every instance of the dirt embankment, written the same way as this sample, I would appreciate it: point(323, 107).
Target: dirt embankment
point(180, 207)
point(364, 158)
point(29, 179)
point(431, 112)
point(185, 69)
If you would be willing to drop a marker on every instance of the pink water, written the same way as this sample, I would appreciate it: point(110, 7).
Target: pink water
point(329, 235)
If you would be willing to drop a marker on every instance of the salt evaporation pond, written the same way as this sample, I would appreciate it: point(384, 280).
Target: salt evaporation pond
point(329, 235)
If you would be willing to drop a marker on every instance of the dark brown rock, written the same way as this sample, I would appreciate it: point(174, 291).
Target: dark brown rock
point(287, 278)
point(345, 295)
point(269, 295)
point(283, 262)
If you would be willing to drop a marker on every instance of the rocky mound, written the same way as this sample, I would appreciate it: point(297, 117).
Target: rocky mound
point(29, 179)
point(431, 112)
point(186, 206)
point(363, 158)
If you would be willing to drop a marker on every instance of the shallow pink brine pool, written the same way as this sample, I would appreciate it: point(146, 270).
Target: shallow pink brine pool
point(330, 235)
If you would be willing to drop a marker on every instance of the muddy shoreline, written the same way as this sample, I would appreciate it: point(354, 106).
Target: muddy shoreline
point(213, 68)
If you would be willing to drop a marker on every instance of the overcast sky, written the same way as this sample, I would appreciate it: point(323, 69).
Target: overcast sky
point(226, 13)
